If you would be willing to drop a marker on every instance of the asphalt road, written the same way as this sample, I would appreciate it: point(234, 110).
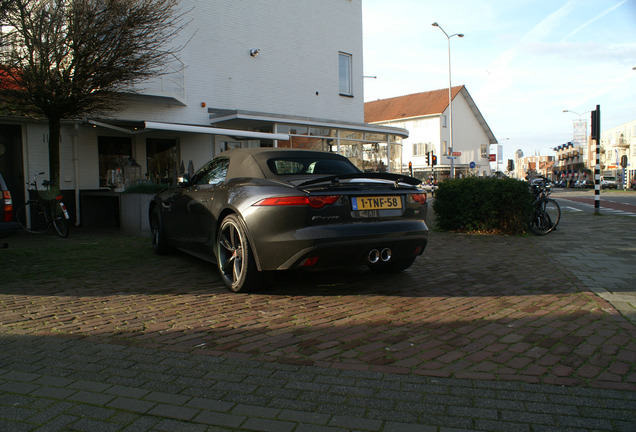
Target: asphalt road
point(621, 202)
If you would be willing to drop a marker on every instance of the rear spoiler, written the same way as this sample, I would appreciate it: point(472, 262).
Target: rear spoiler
point(335, 179)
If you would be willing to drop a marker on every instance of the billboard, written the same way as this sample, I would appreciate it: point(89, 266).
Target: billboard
point(579, 136)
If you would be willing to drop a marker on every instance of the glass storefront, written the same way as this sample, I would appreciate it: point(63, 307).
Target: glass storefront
point(161, 160)
point(369, 151)
point(114, 153)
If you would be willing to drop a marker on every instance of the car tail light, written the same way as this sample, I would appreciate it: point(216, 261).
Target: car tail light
point(316, 202)
point(419, 197)
point(7, 204)
point(310, 262)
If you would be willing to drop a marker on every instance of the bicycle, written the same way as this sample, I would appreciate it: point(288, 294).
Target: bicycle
point(38, 214)
point(546, 212)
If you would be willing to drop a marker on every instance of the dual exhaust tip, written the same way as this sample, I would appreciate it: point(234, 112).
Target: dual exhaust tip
point(376, 255)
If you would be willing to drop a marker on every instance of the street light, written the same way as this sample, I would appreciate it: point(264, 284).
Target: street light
point(578, 114)
point(450, 98)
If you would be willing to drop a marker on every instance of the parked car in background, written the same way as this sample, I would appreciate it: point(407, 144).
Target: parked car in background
point(8, 226)
point(584, 184)
point(257, 210)
point(609, 182)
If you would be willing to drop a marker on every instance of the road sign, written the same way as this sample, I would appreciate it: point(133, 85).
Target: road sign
point(472, 165)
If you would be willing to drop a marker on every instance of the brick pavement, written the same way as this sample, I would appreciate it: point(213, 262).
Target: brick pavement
point(483, 333)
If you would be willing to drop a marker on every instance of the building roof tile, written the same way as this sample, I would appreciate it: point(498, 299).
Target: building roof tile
point(413, 105)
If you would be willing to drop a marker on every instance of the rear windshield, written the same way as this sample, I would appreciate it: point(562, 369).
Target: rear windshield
point(299, 166)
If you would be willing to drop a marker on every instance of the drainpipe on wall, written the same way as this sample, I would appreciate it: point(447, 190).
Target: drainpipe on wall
point(25, 160)
point(76, 175)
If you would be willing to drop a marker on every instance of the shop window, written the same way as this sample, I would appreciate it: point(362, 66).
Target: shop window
point(230, 145)
point(114, 154)
point(311, 143)
point(292, 129)
point(161, 159)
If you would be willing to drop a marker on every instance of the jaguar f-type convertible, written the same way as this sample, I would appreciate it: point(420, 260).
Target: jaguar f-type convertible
point(258, 210)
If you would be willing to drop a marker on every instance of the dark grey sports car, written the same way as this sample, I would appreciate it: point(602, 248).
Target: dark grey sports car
point(257, 210)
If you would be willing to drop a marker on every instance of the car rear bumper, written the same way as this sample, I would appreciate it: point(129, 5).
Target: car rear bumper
point(350, 254)
point(344, 245)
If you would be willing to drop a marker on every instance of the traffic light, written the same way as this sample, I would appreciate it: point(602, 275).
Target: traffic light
point(411, 169)
point(596, 124)
point(434, 161)
point(428, 158)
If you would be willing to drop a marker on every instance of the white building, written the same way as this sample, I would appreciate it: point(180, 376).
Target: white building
point(576, 161)
point(426, 116)
point(616, 143)
point(283, 73)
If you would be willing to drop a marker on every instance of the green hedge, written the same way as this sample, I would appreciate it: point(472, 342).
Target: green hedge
point(483, 204)
point(146, 188)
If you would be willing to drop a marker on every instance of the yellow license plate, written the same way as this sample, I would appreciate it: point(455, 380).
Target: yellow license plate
point(376, 203)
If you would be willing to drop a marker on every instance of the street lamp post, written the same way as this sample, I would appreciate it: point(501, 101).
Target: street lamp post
point(578, 114)
point(450, 99)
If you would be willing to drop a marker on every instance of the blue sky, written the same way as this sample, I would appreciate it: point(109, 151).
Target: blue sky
point(522, 61)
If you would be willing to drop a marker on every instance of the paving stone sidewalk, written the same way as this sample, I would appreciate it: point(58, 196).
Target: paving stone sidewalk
point(66, 384)
point(483, 333)
point(604, 259)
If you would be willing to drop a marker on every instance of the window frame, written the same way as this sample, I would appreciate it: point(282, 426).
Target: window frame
point(345, 77)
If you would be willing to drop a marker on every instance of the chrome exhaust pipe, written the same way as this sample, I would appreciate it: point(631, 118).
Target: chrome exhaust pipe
point(374, 256)
point(385, 254)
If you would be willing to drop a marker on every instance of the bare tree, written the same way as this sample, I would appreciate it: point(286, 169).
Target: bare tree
point(73, 58)
point(4, 7)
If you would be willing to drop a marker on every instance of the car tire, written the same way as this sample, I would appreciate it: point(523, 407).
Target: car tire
point(393, 266)
point(158, 232)
point(235, 258)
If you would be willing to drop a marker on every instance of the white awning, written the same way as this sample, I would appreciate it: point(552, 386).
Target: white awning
point(215, 131)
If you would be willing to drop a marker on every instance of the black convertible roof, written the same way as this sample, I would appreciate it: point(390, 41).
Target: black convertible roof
point(252, 162)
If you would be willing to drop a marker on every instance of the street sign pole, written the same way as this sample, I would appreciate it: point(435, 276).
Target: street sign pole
point(596, 135)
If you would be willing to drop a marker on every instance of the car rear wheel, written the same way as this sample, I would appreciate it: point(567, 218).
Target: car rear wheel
point(158, 232)
point(237, 266)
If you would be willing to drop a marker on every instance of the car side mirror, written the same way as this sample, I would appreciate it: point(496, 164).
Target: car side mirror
point(183, 180)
